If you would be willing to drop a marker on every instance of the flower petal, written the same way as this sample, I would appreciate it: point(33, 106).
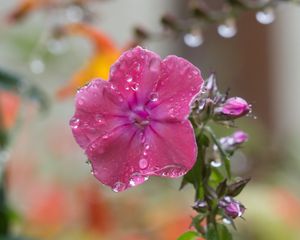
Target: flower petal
point(178, 84)
point(125, 158)
point(171, 149)
point(99, 110)
point(135, 74)
point(115, 158)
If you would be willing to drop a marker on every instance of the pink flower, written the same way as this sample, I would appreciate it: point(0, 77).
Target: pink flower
point(135, 125)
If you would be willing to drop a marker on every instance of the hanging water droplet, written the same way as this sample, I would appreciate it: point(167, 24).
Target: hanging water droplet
point(118, 186)
point(228, 29)
point(37, 66)
point(193, 39)
point(226, 221)
point(215, 164)
point(74, 13)
point(88, 162)
point(266, 16)
point(137, 179)
point(153, 97)
point(154, 65)
point(143, 163)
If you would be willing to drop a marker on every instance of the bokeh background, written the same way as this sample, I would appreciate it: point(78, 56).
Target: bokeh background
point(52, 194)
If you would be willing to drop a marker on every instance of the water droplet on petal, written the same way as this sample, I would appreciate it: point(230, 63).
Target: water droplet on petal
point(228, 29)
point(74, 123)
point(105, 136)
point(153, 97)
point(129, 80)
point(135, 86)
point(137, 179)
point(143, 163)
point(119, 186)
point(266, 16)
point(154, 65)
point(99, 118)
point(215, 164)
point(193, 39)
point(80, 101)
point(37, 66)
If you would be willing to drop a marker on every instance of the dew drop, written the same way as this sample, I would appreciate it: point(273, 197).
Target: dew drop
point(99, 118)
point(266, 16)
point(215, 164)
point(88, 162)
point(153, 97)
point(227, 30)
point(119, 186)
point(143, 163)
point(129, 80)
point(193, 39)
point(137, 179)
point(105, 136)
point(37, 66)
point(226, 221)
point(135, 86)
point(154, 65)
point(74, 123)
point(80, 101)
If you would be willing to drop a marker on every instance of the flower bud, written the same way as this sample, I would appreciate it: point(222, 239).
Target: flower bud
point(232, 207)
point(232, 108)
point(233, 141)
point(200, 206)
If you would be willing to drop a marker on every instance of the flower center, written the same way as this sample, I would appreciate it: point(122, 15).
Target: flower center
point(140, 117)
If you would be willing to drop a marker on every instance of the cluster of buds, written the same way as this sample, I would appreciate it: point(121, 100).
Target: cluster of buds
point(211, 104)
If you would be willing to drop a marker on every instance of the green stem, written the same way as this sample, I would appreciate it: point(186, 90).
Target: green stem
point(224, 156)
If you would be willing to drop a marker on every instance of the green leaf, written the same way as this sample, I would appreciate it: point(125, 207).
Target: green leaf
point(235, 188)
point(188, 236)
point(218, 232)
point(222, 188)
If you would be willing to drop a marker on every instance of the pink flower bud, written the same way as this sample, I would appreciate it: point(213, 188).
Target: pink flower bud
point(240, 137)
point(232, 142)
point(235, 107)
point(232, 207)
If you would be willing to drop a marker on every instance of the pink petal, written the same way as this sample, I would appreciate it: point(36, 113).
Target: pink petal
point(126, 157)
point(99, 109)
point(172, 149)
point(179, 82)
point(135, 74)
point(115, 158)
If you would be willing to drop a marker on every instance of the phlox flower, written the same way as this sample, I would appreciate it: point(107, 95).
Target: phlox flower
point(135, 125)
